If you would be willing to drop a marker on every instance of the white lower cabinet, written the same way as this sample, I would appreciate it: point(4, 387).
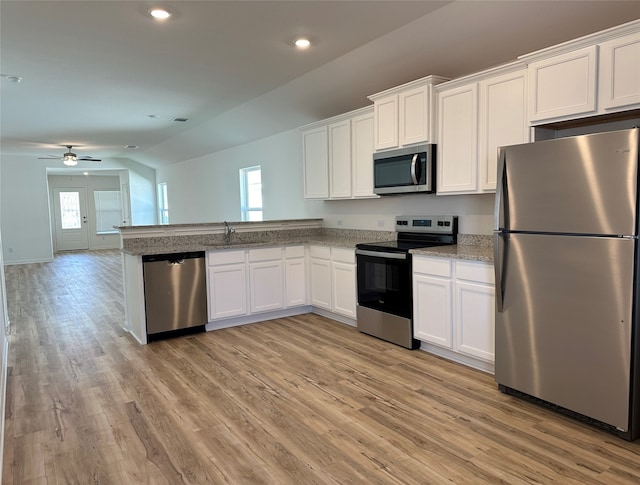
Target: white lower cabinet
point(254, 281)
point(295, 278)
point(475, 309)
point(266, 282)
point(227, 284)
point(432, 310)
point(343, 283)
point(320, 276)
point(454, 305)
point(333, 279)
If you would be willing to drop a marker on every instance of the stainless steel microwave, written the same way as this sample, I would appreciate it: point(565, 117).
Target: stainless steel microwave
point(405, 170)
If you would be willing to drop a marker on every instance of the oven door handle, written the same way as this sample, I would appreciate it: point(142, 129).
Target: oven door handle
point(381, 254)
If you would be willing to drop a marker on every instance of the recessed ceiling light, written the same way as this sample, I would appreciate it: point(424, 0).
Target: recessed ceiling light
point(159, 13)
point(302, 43)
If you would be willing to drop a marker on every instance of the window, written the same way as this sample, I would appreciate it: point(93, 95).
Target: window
point(108, 210)
point(163, 204)
point(251, 193)
point(70, 210)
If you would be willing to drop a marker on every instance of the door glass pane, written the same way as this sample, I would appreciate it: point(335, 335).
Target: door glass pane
point(70, 210)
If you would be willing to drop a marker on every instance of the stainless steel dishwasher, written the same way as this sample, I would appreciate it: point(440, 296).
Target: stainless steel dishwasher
point(175, 294)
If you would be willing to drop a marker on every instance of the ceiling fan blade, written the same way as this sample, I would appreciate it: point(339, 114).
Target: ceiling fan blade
point(90, 159)
point(51, 157)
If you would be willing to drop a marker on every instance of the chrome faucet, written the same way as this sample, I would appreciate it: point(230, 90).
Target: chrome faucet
point(228, 230)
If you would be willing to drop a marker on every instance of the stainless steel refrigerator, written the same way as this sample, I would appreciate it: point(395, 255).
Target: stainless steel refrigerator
point(566, 262)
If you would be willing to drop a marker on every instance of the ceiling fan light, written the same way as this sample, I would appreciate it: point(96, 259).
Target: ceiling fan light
point(70, 160)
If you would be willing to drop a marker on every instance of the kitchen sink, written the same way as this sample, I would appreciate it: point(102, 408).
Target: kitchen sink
point(227, 244)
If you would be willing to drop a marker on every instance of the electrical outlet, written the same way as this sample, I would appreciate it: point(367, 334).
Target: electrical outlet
point(10, 250)
point(380, 222)
point(339, 222)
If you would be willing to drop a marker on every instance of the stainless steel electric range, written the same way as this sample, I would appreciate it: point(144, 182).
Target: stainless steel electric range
point(385, 295)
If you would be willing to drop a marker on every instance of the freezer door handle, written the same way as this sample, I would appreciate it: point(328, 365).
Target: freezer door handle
point(499, 248)
point(501, 212)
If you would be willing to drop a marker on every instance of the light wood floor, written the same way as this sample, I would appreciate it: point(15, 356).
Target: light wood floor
point(300, 400)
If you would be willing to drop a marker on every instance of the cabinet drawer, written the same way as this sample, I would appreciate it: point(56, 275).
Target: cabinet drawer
point(433, 266)
point(294, 252)
point(343, 255)
point(265, 254)
point(475, 271)
point(225, 257)
point(321, 252)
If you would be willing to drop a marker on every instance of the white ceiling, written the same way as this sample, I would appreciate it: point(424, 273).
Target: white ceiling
point(94, 70)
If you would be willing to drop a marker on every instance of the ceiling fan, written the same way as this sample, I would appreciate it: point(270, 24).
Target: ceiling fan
point(70, 159)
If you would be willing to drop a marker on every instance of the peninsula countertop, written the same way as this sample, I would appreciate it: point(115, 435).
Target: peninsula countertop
point(470, 247)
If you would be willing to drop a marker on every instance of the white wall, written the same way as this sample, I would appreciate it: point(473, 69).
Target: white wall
point(142, 189)
point(207, 189)
point(26, 228)
point(475, 211)
point(25, 214)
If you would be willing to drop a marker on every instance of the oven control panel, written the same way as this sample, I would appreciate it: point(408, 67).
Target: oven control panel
point(431, 224)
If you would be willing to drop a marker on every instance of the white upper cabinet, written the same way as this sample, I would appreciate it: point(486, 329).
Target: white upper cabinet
point(386, 122)
point(457, 139)
point(476, 115)
point(414, 120)
point(564, 85)
point(362, 155)
point(403, 115)
point(620, 72)
point(593, 75)
point(338, 157)
point(316, 163)
point(502, 121)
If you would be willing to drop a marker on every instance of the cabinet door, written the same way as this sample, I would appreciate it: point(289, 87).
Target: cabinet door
point(344, 289)
point(413, 116)
point(266, 285)
point(502, 122)
point(340, 159)
point(227, 290)
point(295, 282)
point(386, 122)
point(475, 316)
point(563, 86)
point(362, 155)
point(458, 140)
point(316, 163)
point(432, 317)
point(620, 72)
point(320, 281)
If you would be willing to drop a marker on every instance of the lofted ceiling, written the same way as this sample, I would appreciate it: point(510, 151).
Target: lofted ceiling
point(102, 75)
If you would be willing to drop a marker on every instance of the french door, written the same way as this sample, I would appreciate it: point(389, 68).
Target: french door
point(70, 212)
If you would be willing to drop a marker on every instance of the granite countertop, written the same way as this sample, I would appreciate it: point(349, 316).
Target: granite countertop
point(470, 247)
point(335, 241)
point(467, 252)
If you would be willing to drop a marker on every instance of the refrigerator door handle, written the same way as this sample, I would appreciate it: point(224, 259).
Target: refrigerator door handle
point(500, 212)
point(499, 248)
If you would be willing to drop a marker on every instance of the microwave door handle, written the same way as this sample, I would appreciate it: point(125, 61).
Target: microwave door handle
point(414, 162)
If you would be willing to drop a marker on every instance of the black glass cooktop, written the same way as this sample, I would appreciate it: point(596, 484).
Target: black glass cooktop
point(404, 245)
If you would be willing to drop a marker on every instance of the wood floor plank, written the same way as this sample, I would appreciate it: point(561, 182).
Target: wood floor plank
point(295, 400)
